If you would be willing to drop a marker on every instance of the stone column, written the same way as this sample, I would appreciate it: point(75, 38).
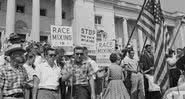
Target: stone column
point(141, 41)
point(125, 31)
point(10, 17)
point(35, 35)
point(58, 12)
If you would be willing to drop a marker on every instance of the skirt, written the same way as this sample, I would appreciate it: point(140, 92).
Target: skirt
point(116, 90)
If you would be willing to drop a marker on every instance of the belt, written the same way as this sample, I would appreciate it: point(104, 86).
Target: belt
point(48, 89)
point(15, 95)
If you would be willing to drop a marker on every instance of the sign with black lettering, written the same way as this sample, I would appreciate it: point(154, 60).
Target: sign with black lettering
point(104, 49)
point(88, 39)
point(61, 36)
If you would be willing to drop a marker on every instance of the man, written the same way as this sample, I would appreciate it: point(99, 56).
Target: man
point(147, 60)
point(48, 74)
point(147, 67)
point(82, 79)
point(98, 73)
point(137, 80)
point(12, 75)
point(88, 59)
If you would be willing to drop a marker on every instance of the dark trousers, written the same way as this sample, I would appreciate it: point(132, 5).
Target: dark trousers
point(82, 92)
point(151, 94)
point(174, 77)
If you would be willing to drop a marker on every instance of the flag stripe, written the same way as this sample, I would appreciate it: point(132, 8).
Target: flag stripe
point(165, 78)
point(146, 33)
point(163, 72)
point(147, 24)
point(158, 39)
point(150, 16)
point(159, 68)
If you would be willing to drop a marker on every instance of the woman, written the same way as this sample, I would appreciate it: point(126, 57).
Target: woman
point(181, 83)
point(174, 72)
point(30, 57)
point(115, 89)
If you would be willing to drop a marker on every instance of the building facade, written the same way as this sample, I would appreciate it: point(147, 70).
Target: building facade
point(111, 19)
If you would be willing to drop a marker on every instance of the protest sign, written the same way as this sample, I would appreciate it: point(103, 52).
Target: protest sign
point(104, 49)
point(61, 36)
point(88, 39)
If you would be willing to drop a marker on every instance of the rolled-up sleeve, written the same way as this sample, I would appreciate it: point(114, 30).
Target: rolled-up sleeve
point(91, 71)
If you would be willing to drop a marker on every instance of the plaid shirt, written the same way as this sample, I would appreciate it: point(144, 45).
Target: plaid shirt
point(11, 80)
point(82, 73)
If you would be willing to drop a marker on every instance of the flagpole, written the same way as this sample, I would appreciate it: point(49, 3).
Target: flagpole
point(135, 24)
point(177, 32)
point(144, 45)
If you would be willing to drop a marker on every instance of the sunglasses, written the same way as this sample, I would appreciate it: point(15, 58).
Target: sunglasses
point(80, 54)
point(52, 55)
point(30, 57)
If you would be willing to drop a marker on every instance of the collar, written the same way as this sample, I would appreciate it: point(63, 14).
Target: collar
point(47, 64)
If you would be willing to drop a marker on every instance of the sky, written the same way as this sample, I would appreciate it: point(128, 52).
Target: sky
point(167, 5)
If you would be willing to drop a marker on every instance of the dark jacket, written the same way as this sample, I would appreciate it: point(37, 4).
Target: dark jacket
point(146, 61)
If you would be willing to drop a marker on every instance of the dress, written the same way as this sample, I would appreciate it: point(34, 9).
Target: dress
point(116, 88)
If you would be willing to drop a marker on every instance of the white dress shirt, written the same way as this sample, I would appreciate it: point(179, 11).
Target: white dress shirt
point(48, 76)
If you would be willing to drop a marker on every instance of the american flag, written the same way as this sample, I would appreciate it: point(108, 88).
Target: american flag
point(151, 23)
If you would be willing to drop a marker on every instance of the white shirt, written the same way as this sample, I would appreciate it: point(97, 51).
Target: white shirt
point(93, 64)
point(30, 71)
point(48, 76)
point(171, 61)
point(132, 63)
point(38, 60)
point(2, 60)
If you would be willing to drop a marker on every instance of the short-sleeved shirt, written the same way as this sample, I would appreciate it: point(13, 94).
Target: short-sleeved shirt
point(82, 73)
point(48, 76)
point(171, 61)
point(132, 63)
point(11, 80)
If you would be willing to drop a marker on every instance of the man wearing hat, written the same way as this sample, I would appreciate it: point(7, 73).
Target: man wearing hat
point(12, 74)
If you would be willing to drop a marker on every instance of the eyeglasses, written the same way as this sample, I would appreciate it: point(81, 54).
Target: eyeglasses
point(80, 54)
point(52, 55)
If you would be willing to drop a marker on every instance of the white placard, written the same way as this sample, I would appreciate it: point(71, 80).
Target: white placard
point(104, 49)
point(88, 39)
point(61, 36)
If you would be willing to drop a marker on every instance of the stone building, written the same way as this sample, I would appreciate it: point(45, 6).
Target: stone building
point(112, 19)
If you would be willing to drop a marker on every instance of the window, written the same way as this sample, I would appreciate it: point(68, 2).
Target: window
point(63, 15)
point(20, 9)
point(43, 12)
point(98, 20)
point(43, 38)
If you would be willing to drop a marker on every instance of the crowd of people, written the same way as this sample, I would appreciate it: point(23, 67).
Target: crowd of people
point(37, 71)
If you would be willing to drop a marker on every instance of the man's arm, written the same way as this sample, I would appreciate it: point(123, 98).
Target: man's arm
point(91, 81)
point(35, 87)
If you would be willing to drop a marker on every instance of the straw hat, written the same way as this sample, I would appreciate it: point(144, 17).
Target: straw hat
point(14, 48)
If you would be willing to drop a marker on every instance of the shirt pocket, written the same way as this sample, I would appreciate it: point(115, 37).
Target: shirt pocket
point(11, 79)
